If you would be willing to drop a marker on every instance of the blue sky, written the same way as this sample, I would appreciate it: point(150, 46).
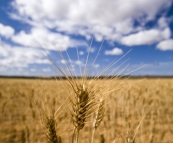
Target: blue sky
point(138, 34)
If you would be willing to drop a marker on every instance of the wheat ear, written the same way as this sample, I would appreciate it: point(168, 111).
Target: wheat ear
point(80, 107)
point(129, 139)
point(99, 117)
point(51, 131)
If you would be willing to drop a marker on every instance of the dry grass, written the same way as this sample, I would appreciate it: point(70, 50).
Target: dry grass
point(116, 118)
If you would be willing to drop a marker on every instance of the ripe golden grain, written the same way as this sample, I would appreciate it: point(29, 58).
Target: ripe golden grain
point(51, 130)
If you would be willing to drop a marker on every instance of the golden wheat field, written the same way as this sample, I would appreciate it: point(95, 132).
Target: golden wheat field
point(116, 111)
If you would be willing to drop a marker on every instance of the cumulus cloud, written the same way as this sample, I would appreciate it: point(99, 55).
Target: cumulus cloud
point(96, 66)
point(63, 61)
point(79, 62)
point(47, 39)
point(46, 70)
point(91, 49)
point(81, 53)
point(88, 18)
point(20, 57)
point(165, 45)
point(115, 51)
point(162, 22)
point(6, 31)
point(146, 37)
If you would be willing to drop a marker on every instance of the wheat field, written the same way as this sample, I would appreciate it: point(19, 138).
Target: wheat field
point(139, 108)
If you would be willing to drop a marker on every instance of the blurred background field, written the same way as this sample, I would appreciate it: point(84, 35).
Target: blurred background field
point(20, 100)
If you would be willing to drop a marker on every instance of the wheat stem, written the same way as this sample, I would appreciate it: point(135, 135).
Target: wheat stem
point(92, 135)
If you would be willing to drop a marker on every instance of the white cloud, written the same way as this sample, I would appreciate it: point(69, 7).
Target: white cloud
point(96, 66)
point(78, 62)
point(47, 39)
point(63, 61)
point(115, 51)
point(33, 70)
point(162, 22)
point(165, 45)
point(81, 53)
point(6, 31)
point(89, 10)
point(101, 18)
point(91, 49)
point(46, 70)
point(20, 57)
point(146, 37)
